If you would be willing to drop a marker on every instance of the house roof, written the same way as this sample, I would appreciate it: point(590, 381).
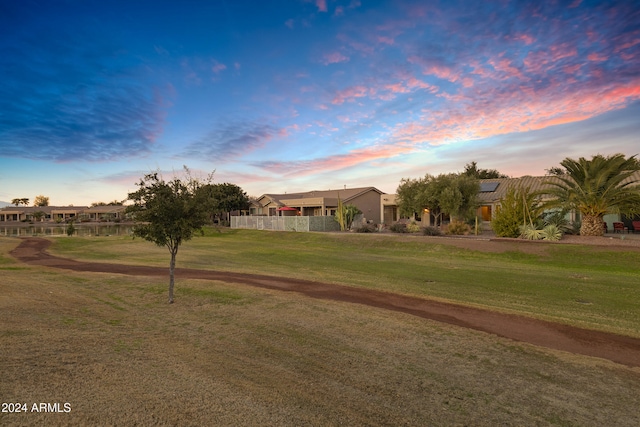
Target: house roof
point(346, 195)
point(105, 209)
point(493, 190)
point(46, 209)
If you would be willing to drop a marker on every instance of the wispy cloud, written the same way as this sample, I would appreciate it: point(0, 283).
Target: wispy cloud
point(334, 162)
point(334, 58)
point(232, 140)
point(63, 99)
point(322, 5)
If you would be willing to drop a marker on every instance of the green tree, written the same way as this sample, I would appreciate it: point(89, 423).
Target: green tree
point(169, 213)
point(41, 201)
point(471, 169)
point(225, 198)
point(452, 194)
point(38, 215)
point(595, 188)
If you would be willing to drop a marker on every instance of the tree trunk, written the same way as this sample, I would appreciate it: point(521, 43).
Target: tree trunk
point(592, 226)
point(172, 268)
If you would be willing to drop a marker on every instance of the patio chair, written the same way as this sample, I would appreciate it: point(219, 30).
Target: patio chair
point(618, 227)
point(636, 225)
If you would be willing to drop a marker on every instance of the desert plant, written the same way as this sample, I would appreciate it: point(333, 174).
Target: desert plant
point(517, 208)
point(412, 227)
point(366, 228)
point(531, 232)
point(398, 227)
point(552, 233)
point(458, 228)
point(431, 231)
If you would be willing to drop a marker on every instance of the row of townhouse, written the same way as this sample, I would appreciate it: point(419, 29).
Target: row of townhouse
point(61, 213)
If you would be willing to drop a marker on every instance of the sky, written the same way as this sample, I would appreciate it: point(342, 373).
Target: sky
point(300, 95)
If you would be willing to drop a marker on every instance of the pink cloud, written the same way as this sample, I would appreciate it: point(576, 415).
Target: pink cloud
point(349, 94)
point(218, 67)
point(397, 88)
point(505, 68)
point(385, 40)
point(336, 162)
point(525, 38)
point(489, 114)
point(322, 5)
point(572, 69)
point(597, 57)
point(432, 69)
point(334, 58)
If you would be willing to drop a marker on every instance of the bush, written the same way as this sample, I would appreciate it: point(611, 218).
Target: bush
point(366, 228)
point(458, 228)
point(518, 205)
point(398, 227)
point(413, 227)
point(530, 232)
point(431, 231)
point(552, 233)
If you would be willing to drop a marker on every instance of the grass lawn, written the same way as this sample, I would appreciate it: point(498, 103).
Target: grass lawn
point(584, 286)
point(224, 354)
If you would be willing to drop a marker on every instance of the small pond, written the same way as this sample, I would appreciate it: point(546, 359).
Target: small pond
point(61, 230)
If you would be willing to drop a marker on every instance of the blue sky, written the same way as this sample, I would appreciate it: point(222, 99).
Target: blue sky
point(284, 96)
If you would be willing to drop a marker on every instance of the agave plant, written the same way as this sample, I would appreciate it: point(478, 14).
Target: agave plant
point(552, 233)
point(531, 232)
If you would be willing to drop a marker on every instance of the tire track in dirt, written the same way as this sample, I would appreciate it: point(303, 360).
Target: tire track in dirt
point(617, 348)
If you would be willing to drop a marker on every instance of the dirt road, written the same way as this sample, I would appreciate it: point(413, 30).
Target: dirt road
point(617, 348)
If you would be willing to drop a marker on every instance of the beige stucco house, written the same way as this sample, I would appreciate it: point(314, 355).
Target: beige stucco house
point(319, 203)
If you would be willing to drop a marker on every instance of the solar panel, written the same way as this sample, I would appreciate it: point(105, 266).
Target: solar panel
point(488, 187)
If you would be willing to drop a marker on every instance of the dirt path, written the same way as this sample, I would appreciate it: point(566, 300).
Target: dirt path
point(617, 348)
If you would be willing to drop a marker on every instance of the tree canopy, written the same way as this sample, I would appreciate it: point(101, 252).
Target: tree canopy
point(41, 200)
point(20, 201)
point(471, 169)
point(225, 197)
point(169, 213)
point(596, 187)
point(452, 194)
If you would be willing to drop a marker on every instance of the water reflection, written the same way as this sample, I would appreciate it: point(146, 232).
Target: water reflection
point(61, 230)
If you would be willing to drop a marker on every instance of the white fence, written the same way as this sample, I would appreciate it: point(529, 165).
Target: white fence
point(286, 223)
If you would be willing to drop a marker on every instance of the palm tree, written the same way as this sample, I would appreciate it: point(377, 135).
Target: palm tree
point(595, 188)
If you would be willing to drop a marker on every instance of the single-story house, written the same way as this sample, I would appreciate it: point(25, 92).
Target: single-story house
point(492, 191)
point(319, 203)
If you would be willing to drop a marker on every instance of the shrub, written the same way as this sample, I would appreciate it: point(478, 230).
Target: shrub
point(398, 227)
point(519, 205)
point(574, 228)
point(552, 233)
point(431, 231)
point(366, 228)
point(458, 228)
point(530, 232)
point(413, 227)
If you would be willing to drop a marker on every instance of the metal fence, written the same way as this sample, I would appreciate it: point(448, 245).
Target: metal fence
point(286, 223)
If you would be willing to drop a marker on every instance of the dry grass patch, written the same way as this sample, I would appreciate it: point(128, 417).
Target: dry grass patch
point(233, 355)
